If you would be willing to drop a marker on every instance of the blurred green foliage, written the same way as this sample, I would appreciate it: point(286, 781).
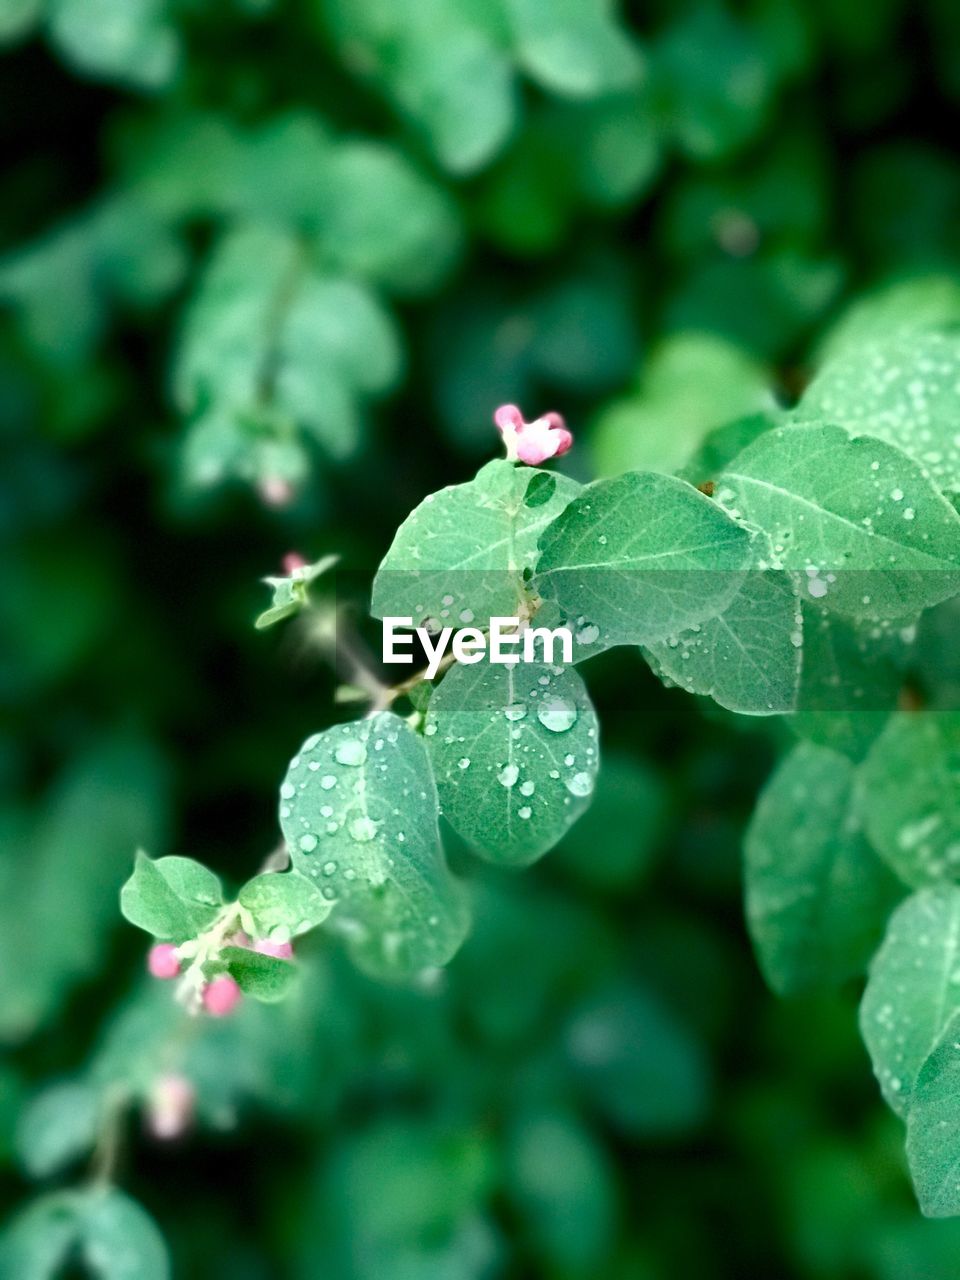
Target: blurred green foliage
point(267, 268)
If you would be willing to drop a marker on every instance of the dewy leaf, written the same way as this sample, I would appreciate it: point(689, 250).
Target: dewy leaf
point(263, 977)
point(860, 518)
point(173, 898)
point(851, 679)
point(515, 753)
point(909, 795)
point(641, 557)
point(460, 556)
point(905, 390)
point(284, 901)
point(748, 657)
point(933, 1128)
point(574, 46)
point(817, 895)
point(913, 991)
point(359, 811)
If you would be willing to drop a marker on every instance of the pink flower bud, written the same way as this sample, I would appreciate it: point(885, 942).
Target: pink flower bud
point(221, 996)
point(293, 561)
point(239, 939)
point(282, 950)
point(532, 442)
point(163, 961)
point(274, 491)
point(170, 1106)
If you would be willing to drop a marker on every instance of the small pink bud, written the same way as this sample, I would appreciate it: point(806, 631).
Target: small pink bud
point(170, 1106)
point(293, 561)
point(163, 961)
point(274, 491)
point(239, 939)
point(532, 442)
point(282, 950)
point(221, 996)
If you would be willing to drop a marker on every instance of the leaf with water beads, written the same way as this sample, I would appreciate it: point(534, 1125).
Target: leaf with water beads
point(913, 990)
point(641, 557)
point(816, 893)
point(359, 810)
point(460, 556)
point(747, 658)
point(859, 518)
point(909, 795)
point(933, 1128)
point(905, 390)
point(515, 753)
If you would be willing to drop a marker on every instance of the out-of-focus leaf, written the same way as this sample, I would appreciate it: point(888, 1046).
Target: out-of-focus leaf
point(817, 896)
point(574, 46)
point(131, 41)
point(58, 904)
point(912, 994)
point(638, 1065)
point(901, 390)
point(909, 795)
point(691, 384)
point(57, 1127)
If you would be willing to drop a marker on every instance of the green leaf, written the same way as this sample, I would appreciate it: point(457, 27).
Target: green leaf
point(817, 896)
point(691, 383)
point(131, 41)
point(748, 658)
point(714, 81)
point(57, 922)
point(263, 977)
point(913, 991)
point(359, 810)
point(933, 1128)
point(612, 846)
point(460, 556)
point(107, 1231)
point(385, 222)
point(274, 353)
point(118, 1240)
point(561, 1180)
point(283, 901)
point(574, 46)
point(902, 390)
point(173, 898)
point(637, 1064)
point(440, 65)
point(913, 305)
point(641, 557)
point(874, 537)
point(515, 753)
point(909, 796)
point(17, 17)
point(291, 593)
point(58, 1126)
point(35, 1243)
point(852, 676)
